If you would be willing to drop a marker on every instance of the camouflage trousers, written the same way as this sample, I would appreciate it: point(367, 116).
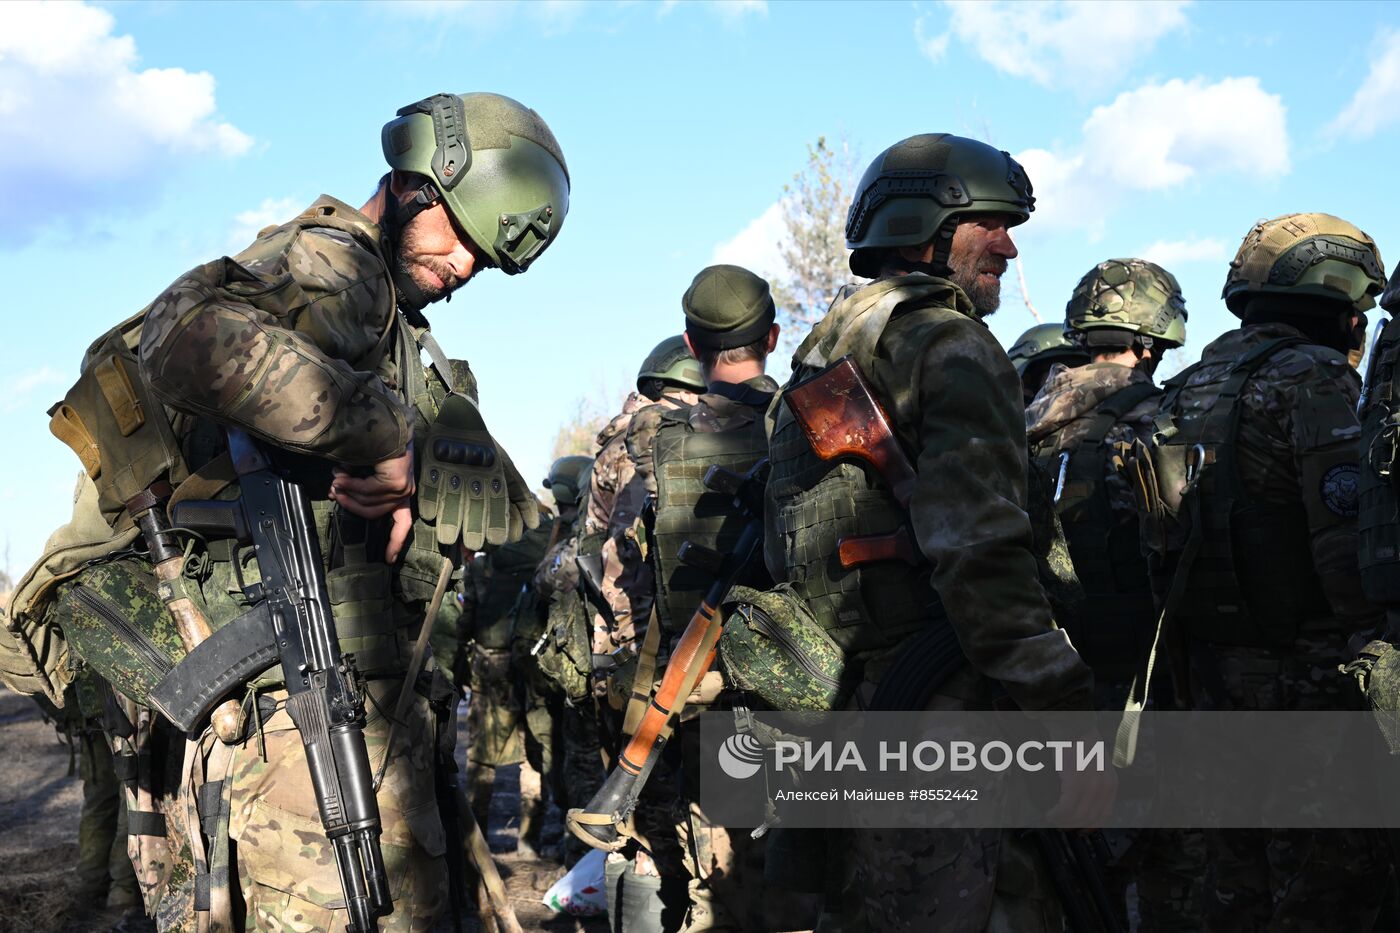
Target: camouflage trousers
point(286, 871)
point(494, 716)
point(1278, 879)
point(582, 767)
point(1166, 868)
point(104, 873)
point(949, 880)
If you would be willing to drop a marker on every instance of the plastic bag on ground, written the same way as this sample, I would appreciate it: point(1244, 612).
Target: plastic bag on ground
point(580, 893)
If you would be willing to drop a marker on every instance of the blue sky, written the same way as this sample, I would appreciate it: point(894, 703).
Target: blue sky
point(140, 139)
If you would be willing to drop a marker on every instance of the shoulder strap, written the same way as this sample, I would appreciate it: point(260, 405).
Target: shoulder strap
point(1112, 409)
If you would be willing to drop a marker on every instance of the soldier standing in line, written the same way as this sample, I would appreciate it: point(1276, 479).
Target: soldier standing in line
point(1125, 313)
point(495, 589)
point(1037, 350)
point(540, 703)
point(931, 225)
point(730, 329)
point(1262, 557)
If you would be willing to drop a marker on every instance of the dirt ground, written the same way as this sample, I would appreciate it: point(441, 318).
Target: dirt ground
point(40, 802)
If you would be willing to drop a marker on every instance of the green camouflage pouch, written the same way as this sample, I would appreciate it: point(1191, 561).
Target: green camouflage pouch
point(773, 648)
point(1376, 671)
point(114, 620)
point(566, 653)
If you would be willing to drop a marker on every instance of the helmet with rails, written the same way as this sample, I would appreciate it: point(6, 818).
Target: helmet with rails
point(1044, 343)
point(495, 165)
point(669, 363)
point(917, 190)
point(1124, 300)
point(1306, 254)
point(568, 476)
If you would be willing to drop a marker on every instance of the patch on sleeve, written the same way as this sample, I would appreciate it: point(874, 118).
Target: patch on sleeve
point(1339, 489)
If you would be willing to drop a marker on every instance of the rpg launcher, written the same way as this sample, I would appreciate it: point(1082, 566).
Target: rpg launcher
point(325, 693)
point(598, 824)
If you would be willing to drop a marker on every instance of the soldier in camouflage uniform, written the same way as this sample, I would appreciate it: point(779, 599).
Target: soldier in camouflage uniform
point(495, 590)
point(729, 316)
point(930, 224)
point(310, 340)
point(1261, 558)
point(1037, 350)
point(1124, 313)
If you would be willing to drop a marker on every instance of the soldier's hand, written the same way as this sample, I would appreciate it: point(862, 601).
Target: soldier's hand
point(1086, 798)
point(387, 490)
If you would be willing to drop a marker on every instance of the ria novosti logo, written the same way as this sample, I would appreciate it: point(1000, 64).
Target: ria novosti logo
point(741, 756)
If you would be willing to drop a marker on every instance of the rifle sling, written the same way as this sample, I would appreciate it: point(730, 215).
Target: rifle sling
point(926, 660)
point(221, 663)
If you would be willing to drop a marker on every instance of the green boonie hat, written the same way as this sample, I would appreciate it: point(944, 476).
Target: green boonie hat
point(1126, 295)
point(1044, 343)
point(727, 307)
point(1306, 254)
point(567, 478)
point(671, 362)
point(913, 189)
point(496, 166)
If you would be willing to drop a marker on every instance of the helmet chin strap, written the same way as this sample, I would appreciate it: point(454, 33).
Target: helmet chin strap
point(939, 265)
point(397, 216)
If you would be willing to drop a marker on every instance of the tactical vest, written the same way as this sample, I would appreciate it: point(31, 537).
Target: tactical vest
point(1378, 511)
point(1251, 582)
point(813, 503)
point(126, 440)
point(1113, 627)
point(502, 585)
point(687, 511)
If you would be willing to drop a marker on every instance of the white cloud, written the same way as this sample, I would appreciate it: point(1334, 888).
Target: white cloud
point(1157, 137)
point(271, 211)
point(1177, 252)
point(1084, 44)
point(82, 126)
point(756, 246)
point(18, 394)
point(1376, 103)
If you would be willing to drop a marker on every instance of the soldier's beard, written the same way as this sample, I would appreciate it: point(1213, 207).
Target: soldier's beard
point(984, 290)
point(431, 275)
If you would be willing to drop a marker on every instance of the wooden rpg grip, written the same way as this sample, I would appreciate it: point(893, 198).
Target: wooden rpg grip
point(857, 551)
point(842, 419)
point(194, 629)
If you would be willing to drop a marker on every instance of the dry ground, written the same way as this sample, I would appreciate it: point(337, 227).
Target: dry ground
point(39, 805)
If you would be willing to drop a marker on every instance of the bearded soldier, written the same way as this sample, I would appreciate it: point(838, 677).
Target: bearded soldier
point(309, 341)
point(1125, 313)
point(931, 225)
point(1258, 464)
point(1037, 350)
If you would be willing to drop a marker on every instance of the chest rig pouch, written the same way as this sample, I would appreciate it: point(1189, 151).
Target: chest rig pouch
point(1112, 628)
point(1378, 511)
point(1251, 582)
point(686, 510)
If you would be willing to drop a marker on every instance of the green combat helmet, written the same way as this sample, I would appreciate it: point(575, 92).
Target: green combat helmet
point(567, 478)
point(1121, 297)
point(669, 363)
point(918, 188)
point(1039, 348)
point(495, 165)
point(1306, 254)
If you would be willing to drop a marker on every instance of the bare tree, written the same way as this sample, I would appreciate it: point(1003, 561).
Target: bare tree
point(813, 248)
point(577, 434)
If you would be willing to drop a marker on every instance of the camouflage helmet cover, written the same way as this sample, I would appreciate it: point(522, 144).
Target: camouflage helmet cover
point(913, 189)
point(1132, 295)
point(496, 165)
point(671, 362)
point(1047, 343)
point(1306, 254)
point(567, 478)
